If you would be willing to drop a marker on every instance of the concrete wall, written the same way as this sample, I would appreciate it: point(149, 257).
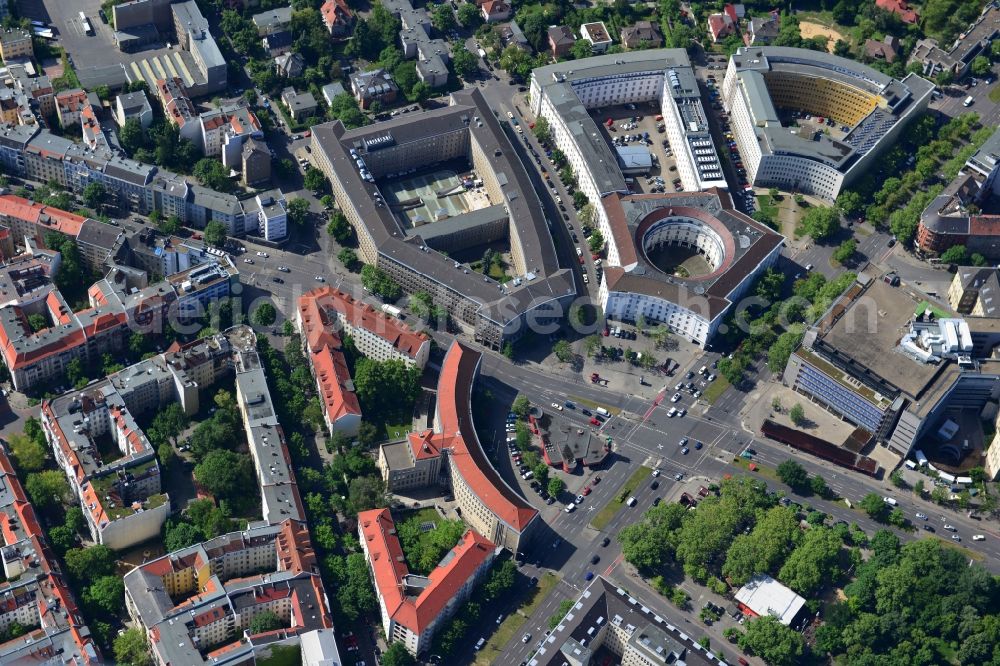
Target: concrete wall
point(142, 12)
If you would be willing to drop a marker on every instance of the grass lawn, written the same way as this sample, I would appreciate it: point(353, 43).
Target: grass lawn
point(283, 655)
point(995, 94)
point(490, 654)
point(426, 515)
point(391, 430)
point(605, 515)
point(717, 388)
point(744, 464)
point(767, 205)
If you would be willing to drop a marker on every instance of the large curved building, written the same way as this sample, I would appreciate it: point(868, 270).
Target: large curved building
point(766, 90)
point(683, 259)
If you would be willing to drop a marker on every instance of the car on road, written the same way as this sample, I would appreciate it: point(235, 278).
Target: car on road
point(955, 537)
point(277, 280)
point(550, 501)
point(978, 537)
point(284, 269)
point(654, 485)
point(657, 500)
point(594, 559)
point(605, 541)
point(557, 406)
point(586, 491)
point(929, 528)
point(697, 446)
point(678, 476)
point(579, 500)
point(589, 576)
point(950, 528)
point(921, 516)
point(248, 260)
point(525, 638)
point(683, 441)
point(569, 405)
point(656, 472)
point(570, 508)
point(586, 412)
point(262, 254)
point(594, 422)
point(320, 278)
point(675, 397)
point(685, 450)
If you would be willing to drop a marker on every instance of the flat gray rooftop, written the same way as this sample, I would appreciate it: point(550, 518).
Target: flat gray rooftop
point(869, 332)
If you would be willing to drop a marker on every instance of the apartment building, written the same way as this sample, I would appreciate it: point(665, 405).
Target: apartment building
point(69, 104)
point(337, 17)
point(36, 593)
point(133, 105)
point(489, 506)
point(414, 607)
point(196, 604)
point(874, 109)
point(607, 618)
point(376, 335)
point(15, 44)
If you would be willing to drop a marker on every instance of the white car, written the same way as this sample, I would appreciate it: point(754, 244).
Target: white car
point(320, 278)
point(656, 472)
point(675, 397)
point(586, 280)
point(262, 254)
point(921, 516)
point(950, 528)
point(248, 260)
point(510, 115)
point(525, 638)
point(284, 269)
point(570, 508)
point(556, 405)
point(978, 537)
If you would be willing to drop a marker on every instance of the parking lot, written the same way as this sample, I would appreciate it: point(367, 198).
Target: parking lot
point(637, 125)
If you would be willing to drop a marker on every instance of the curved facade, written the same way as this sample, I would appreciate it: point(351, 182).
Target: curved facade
point(765, 87)
point(736, 248)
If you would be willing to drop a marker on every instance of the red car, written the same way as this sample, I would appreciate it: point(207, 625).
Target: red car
point(581, 260)
point(586, 491)
point(594, 422)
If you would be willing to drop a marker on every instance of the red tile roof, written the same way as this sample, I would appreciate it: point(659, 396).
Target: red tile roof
point(389, 567)
point(335, 11)
point(458, 372)
point(900, 8)
point(360, 315)
point(29, 211)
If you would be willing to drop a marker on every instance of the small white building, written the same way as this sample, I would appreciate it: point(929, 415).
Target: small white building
point(133, 105)
point(597, 34)
point(765, 596)
point(272, 215)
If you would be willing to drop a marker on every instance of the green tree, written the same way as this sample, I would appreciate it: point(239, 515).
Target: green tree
point(564, 606)
point(820, 222)
point(105, 595)
point(366, 492)
point(132, 649)
point(348, 257)
point(314, 180)
point(132, 136)
point(224, 474)
point(181, 535)
point(215, 233)
point(797, 414)
point(956, 254)
point(168, 424)
point(980, 65)
point(850, 203)
point(212, 174)
point(29, 453)
point(264, 315)
point(764, 549)
point(521, 406)
point(465, 64)
point(596, 241)
point(814, 563)
point(442, 18)
point(777, 644)
point(845, 250)
point(93, 195)
point(819, 486)
point(75, 372)
point(47, 488)
point(89, 564)
point(542, 131)
point(793, 475)
point(874, 506)
point(556, 487)
point(563, 351)
point(777, 355)
point(339, 227)
point(396, 654)
point(469, 15)
point(264, 622)
point(298, 212)
point(378, 282)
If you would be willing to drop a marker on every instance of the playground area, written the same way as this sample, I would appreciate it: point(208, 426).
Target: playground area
point(424, 198)
point(808, 30)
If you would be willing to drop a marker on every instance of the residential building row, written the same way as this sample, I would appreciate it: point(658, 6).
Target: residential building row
point(196, 605)
point(973, 41)
point(414, 607)
point(35, 592)
point(110, 464)
point(868, 110)
point(898, 367)
point(119, 305)
point(433, 54)
point(450, 454)
point(37, 154)
point(357, 161)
